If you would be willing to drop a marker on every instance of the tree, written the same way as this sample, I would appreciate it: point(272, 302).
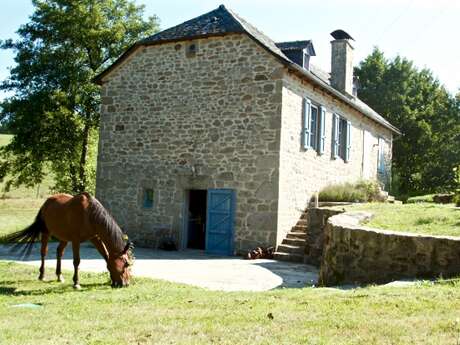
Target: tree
point(55, 107)
point(427, 115)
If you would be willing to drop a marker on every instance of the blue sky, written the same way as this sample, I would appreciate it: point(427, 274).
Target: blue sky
point(425, 31)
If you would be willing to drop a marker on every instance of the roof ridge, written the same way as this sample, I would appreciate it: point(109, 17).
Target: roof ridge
point(214, 16)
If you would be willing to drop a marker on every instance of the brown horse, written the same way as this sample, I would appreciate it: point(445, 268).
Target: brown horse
point(77, 219)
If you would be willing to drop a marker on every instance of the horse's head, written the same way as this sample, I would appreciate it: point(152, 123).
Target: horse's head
point(120, 267)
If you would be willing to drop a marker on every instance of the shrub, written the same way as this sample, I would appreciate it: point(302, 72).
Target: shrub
point(361, 191)
point(456, 198)
point(421, 198)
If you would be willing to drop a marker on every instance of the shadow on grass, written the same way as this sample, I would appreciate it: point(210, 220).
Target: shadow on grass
point(11, 289)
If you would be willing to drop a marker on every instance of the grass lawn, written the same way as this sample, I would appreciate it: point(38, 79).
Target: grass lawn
point(421, 218)
point(5, 139)
point(16, 214)
point(158, 312)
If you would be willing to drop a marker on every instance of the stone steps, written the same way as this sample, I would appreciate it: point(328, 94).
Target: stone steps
point(294, 234)
point(392, 200)
point(288, 257)
point(289, 248)
point(294, 241)
point(293, 246)
point(300, 228)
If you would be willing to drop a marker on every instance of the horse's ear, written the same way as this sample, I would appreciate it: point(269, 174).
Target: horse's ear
point(129, 246)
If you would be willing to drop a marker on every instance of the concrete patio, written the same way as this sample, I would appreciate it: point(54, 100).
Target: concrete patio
point(188, 267)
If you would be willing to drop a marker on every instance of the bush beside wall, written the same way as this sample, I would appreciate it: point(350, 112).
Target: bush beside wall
point(361, 191)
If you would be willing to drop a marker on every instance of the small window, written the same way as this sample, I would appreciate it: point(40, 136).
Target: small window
point(306, 61)
point(341, 138)
point(314, 127)
point(148, 198)
point(191, 49)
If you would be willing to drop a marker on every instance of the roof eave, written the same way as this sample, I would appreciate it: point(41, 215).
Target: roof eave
point(311, 77)
point(338, 94)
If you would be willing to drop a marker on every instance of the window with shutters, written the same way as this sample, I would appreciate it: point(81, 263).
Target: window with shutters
point(341, 138)
point(314, 127)
point(314, 117)
point(381, 157)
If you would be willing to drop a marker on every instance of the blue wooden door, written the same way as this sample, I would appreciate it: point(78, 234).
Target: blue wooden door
point(219, 221)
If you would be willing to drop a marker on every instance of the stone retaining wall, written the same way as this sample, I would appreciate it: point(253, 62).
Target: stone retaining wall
point(358, 254)
point(317, 220)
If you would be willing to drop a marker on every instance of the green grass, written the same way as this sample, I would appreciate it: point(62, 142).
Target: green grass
point(5, 139)
point(16, 214)
point(421, 198)
point(158, 312)
point(421, 218)
point(22, 192)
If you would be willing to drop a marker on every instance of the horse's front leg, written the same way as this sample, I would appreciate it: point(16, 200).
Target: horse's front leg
point(76, 263)
point(43, 252)
point(59, 254)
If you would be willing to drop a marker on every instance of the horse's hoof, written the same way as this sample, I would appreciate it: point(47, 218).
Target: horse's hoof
point(60, 279)
point(42, 278)
point(77, 287)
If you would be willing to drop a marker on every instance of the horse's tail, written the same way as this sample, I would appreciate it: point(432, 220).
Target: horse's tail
point(24, 240)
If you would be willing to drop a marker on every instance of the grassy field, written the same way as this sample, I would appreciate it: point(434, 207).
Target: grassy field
point(422, 218)
point(22, 192)
point(157, 312)
point(16, 214)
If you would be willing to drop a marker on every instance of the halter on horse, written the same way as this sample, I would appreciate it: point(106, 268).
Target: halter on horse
point(77, 219)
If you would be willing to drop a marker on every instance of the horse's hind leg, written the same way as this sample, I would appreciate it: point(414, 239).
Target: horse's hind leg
point(76, 263)
point(43, 252)
point(59, 254)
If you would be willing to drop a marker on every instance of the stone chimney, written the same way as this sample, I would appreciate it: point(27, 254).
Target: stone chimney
point(342, 62)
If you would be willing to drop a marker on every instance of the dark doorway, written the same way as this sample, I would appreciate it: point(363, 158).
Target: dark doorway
point(196, 231)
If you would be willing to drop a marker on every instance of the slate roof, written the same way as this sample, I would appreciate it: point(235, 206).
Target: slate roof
point(223, 21)
point(216, 22)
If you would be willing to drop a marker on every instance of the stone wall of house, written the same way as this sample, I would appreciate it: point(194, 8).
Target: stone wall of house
point(175, 120)
point(357, 254)
point(303, 172)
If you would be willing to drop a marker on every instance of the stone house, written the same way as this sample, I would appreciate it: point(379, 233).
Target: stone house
point(217, 137)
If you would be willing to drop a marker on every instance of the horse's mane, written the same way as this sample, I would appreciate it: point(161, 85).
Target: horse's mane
point(99, 215)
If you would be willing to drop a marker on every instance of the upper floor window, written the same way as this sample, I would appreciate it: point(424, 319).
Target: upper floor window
point(341, 138)
point(306, 61)
point(313, 128)
point(381, 157)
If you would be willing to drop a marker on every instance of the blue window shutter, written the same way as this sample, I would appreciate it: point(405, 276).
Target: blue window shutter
point(322, 130)
point(348, 148)
point(335, 135)
point(306, 123)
